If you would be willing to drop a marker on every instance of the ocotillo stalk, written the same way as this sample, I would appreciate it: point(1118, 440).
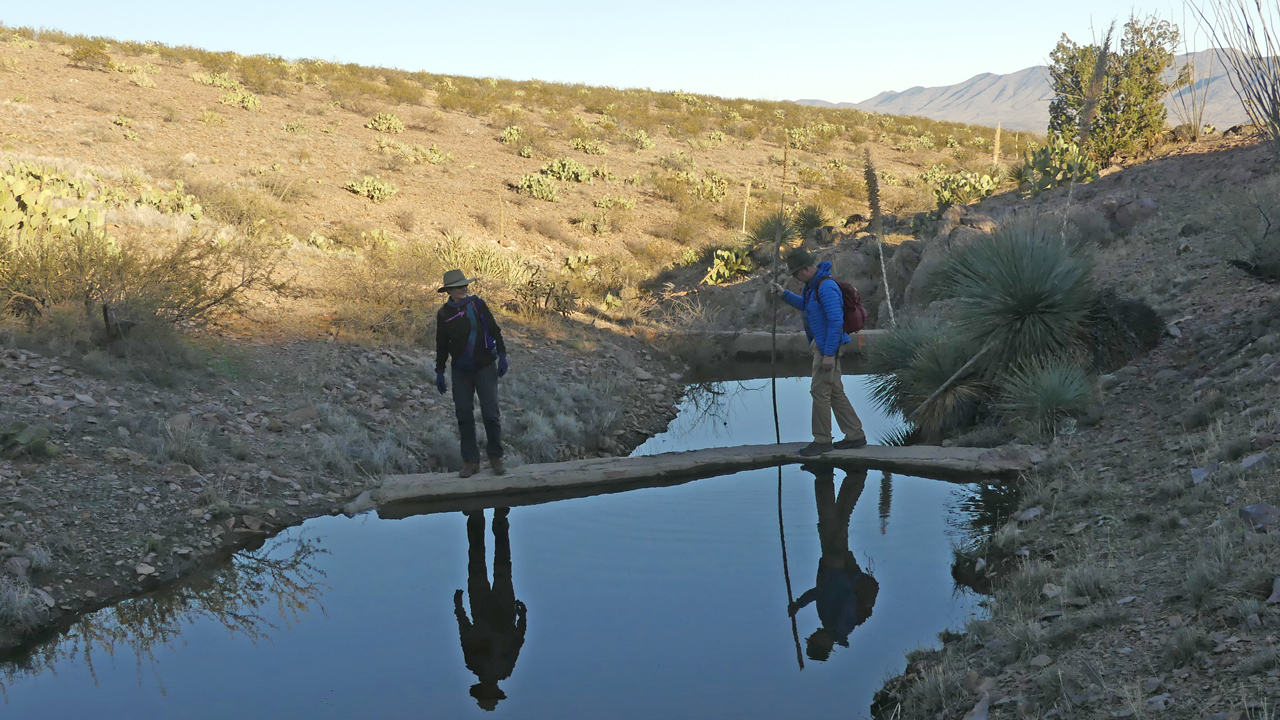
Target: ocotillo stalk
point(995, 150)
point(745, 201)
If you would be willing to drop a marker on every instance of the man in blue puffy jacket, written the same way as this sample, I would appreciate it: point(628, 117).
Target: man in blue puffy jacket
point(823, 306)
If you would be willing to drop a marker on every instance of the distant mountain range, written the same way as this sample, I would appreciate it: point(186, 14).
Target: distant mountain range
point(1020, 100)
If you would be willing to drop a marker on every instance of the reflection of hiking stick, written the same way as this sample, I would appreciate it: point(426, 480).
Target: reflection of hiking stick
point(786, 575)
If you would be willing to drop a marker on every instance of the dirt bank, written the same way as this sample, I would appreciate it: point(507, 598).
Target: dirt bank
point(162, 468)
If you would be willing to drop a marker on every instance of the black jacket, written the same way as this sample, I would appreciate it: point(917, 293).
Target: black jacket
point(454, 335)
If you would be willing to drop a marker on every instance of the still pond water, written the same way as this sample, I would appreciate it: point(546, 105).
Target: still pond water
point(665, 602)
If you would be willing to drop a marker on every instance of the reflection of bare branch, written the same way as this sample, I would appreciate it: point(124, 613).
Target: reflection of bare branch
point(235, 595)
point(710, 402)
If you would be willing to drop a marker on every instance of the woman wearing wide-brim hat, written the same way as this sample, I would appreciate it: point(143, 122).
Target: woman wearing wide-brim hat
point(467, 332)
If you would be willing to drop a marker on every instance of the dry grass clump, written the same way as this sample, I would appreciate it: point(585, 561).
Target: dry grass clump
point(20, 607)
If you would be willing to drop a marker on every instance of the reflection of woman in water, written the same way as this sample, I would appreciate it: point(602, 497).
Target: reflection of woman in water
point(843, 592)
point(492, 638)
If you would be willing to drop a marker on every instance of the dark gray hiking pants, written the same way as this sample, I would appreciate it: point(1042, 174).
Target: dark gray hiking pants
point(466, 386)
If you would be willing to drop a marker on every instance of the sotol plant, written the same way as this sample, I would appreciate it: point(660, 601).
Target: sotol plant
point(1021, 290)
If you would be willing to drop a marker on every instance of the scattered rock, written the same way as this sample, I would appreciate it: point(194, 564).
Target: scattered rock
point(1126, 600)
point(144, 569)
point(44, 596)
point(1275, 592)
point(1260, 516)
point(1028, 515)
point(1131, 215)
point(115, 454)
point(1256, 460)
point(1152, 684)
point(1041, 661)
point(642, 375)
point(1200, 474)
point(17, 566)
point(1050, 591)
point(979, 711)
point(252, 523)
point(303, 414)
point(1159, 703)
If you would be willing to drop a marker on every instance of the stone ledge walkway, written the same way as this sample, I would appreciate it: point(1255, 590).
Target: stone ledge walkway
point(405, 495)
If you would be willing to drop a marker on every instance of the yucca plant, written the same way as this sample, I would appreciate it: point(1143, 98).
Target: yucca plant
point(810, 218)
point(914, 359)
point(770, 234)
point(1041, 393)
point(775, 227)
point(1022, 293)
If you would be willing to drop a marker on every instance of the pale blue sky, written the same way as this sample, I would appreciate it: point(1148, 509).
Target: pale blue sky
point(827, 49)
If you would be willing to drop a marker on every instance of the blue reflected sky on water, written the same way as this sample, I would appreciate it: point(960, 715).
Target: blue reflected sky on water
point(660, 602)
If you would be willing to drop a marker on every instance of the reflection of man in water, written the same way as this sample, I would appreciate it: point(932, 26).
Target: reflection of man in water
point(492, 638)
point(844, 593)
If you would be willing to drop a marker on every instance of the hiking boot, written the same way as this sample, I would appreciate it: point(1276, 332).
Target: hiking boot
point(851, 444)
point(495, 463)
point(469, 469)
point(814, 448)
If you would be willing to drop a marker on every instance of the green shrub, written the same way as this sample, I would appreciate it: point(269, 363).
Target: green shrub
point(295, 127)
point(242, 99)
point(90, 56)
point(1120, 110)
point(1023, 291)
point(540, 187)
point(727, 265)
point(678, 162)
point(1042, 393)
point(385, 122)
point(208, 117)
point(590, 147)
point(218, 80)
point(640, 139)
point(376, 189)
point(568, 170)
point(510, 135)
point(609, 202)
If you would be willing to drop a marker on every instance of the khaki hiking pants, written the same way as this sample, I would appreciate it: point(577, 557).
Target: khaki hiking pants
point(827, 389)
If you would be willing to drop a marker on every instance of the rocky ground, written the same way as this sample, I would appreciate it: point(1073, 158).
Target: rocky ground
point(149, 480)
point(1132, 582)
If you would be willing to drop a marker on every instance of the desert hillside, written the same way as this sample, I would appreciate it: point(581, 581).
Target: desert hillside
point(627, 182)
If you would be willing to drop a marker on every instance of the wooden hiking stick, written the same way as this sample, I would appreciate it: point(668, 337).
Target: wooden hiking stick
point(773, 388)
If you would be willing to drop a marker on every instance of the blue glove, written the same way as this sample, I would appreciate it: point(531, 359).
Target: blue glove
point(440, 382)
point(502, 364)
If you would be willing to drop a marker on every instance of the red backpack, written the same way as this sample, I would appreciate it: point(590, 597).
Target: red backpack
point(855, 313)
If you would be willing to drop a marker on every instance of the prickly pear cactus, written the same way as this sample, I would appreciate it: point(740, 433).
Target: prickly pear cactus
point(23, 439)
